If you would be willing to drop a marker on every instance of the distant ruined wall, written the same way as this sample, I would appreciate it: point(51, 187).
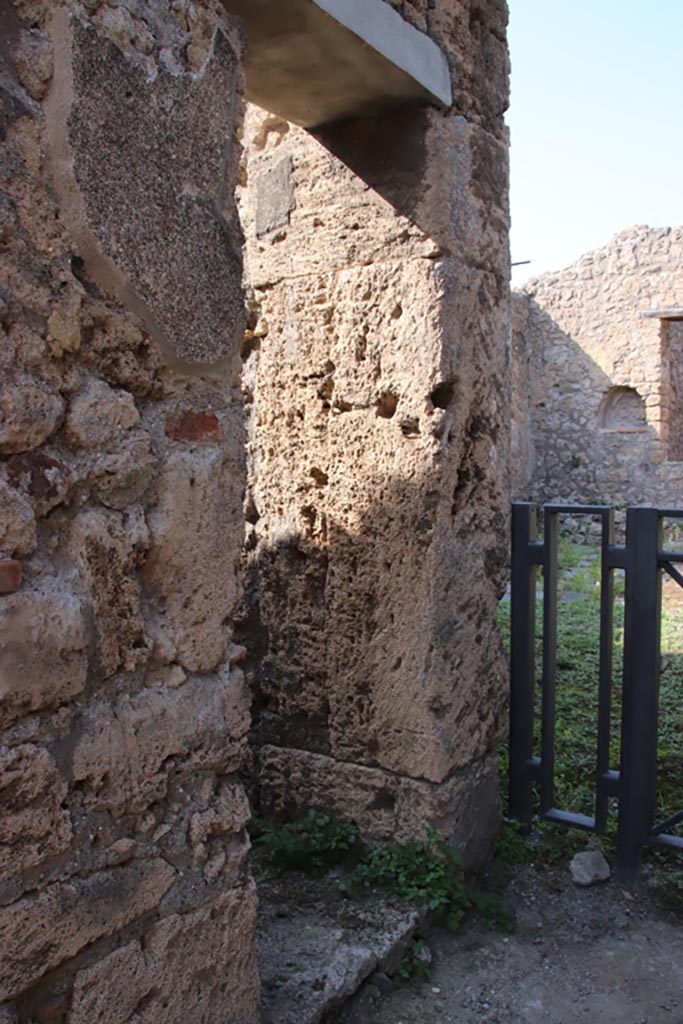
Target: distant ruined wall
point(125, 893)
point(376, 379)
point(597, 397)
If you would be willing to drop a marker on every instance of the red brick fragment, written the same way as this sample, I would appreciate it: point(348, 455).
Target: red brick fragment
point(10, 575)
point(193, 426)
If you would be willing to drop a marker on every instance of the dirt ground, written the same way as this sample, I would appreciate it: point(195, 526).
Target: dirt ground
point(576, 955)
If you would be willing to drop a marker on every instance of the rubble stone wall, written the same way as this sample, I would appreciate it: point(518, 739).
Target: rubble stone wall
point(597, 398)
point(376, 368)
point(125, 892)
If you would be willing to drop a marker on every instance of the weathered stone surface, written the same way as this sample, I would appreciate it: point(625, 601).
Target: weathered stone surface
point(596, 399)
point(199, 966)
point(29, 413)
point(229, 812)
point(191, 572)
point(118, 351)
point(123, 476)
point(41, 931)
point(33, 824)
point(316, 947)
point(124, 753)
point(99, 415)
point(378, 456)
point(17, 523)
point(46, 480)
point(465, 808)
point(107, 554)
point(149, 156)
point(43, 651)
point(274, 196)
point(112, 989)
point(115, 194)
point(589, 868)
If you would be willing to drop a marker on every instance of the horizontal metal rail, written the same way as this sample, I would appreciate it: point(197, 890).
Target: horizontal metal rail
point(633, 786)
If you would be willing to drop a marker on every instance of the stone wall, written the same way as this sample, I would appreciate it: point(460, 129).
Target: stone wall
point(375, 375)
point(125, 893)
point(597, 396)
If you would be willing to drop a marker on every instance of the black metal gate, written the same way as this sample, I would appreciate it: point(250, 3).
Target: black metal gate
point(634, 785)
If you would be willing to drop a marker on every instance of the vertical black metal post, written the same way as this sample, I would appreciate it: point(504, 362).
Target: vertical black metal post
point(522, 660)
point(605, 670)
point(640, 697)
point(549, 662)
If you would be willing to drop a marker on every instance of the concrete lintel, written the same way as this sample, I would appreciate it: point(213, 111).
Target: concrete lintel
point(316, 61)
point(675, 313)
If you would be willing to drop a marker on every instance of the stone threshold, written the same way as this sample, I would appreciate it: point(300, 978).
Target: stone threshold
point(317, 947)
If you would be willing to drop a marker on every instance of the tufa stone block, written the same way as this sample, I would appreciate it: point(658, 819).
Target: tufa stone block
point(200, 966)
point(33, 825)
point(191, 572)
point(43, 651)
point(122, 755)
point(43, 930)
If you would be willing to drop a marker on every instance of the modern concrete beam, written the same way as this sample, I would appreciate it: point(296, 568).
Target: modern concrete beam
point(675, 313)
point(317, 61)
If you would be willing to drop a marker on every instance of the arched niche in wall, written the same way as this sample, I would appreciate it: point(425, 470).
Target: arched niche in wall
point(623, 409)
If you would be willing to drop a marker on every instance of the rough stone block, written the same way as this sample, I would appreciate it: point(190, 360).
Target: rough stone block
point(464, 809)
point(149, 157)
point(43, 650)
point(17, 523)
point(98, 416)
point(124, 754)
point(191, 573)
point(122, 477)
point(41, 931)
point(107, 554)
point(274, 199)
point(199, 966)
point(228, 813)
point(33, 824)
point(29, 413)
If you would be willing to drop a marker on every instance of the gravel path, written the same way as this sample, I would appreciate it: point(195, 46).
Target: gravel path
point(577, 955)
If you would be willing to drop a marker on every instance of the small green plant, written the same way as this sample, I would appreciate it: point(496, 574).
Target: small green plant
point(413, 963)
point(316, 842)
point(511, 846)
point(428, 874)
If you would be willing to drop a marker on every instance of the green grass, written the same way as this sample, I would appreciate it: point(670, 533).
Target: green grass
point(577, 686)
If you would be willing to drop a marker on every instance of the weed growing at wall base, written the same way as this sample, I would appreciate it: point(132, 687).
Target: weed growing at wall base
point(427, 874)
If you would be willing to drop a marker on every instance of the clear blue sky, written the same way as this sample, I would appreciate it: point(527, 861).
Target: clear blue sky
point(596, 121)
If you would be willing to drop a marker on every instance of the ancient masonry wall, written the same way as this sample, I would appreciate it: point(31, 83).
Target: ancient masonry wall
point(125, 893)
point(375, 374)
point(597, 398)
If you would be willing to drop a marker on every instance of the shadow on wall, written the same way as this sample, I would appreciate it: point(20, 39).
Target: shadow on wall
point(454, 198)
point(365, 647)
point(578, 434)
